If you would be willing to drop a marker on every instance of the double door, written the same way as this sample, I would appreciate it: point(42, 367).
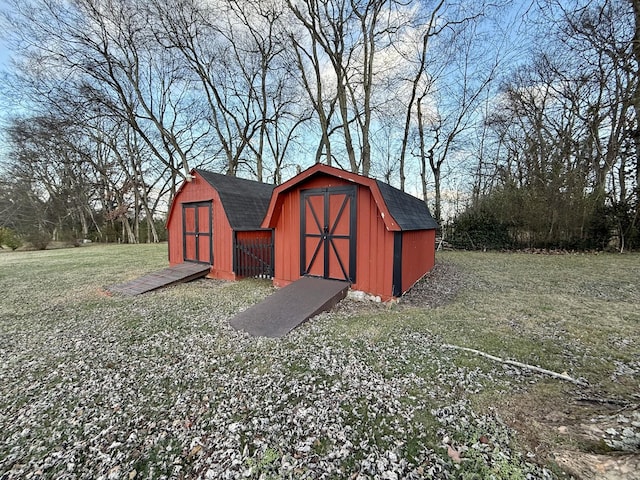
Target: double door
point(198, 232)
point(328, 233)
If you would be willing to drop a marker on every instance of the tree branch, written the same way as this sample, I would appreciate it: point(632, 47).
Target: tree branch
point(526, 366)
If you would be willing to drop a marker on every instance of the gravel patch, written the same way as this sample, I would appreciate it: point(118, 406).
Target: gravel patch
point(437, 288)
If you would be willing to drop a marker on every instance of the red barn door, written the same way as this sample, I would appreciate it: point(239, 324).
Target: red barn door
point(198, 232)
point(328, 233)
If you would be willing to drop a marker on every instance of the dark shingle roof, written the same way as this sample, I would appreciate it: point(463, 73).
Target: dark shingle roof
point(244, 201)
point(410, 212)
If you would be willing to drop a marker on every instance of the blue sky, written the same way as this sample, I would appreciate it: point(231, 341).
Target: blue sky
point(4, 102)
point(4, 55)
point(4, 51)
point(4, 59)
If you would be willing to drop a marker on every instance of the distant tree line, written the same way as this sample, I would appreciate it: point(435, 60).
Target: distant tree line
point(514, 138)
point(558, 163)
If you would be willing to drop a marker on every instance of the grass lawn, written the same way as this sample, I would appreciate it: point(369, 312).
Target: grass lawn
point(94, 385)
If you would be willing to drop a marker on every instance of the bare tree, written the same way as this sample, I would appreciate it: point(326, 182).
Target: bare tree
point(255, 33)
point(417, 95)
point(50, 171)
point(96, 52)
point(233, 51)
point(564, 128)
point(309, 64)
point(346, 36)
point(452, 101)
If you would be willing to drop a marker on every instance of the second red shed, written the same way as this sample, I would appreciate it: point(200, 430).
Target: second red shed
point(215, 219)
point(334, 224)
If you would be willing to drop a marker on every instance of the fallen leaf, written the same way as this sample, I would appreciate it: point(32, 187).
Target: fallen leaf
point(195, 450)
point(453, 454)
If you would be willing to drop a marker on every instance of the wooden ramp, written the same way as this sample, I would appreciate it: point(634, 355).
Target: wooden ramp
point(184, 272)
point(287, 308)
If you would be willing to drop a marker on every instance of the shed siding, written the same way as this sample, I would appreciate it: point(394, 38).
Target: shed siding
point(199, 191)
point(323, 181)
point(287, 241)
point(374, 250)
point(222, 244)
point(264, 235)
point(287, 230)
point(374, 268)
point(418, 255)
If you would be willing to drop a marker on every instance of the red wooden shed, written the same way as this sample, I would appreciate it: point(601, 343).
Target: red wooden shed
point(335, 224)
point(215, 219)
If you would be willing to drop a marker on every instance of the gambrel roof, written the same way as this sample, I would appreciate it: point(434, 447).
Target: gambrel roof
point(410, 212)
point(245, 201)
point(399, 210)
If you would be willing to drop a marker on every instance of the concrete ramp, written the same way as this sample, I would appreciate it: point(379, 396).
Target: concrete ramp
point(183, 272)
point(287, 308)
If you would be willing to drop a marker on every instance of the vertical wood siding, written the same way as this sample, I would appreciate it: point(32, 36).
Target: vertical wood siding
point(374, 249)
point(418, 255)
point(374, 268)
point(200, 191)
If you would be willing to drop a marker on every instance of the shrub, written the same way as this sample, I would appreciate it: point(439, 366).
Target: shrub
point(479, 229)
point(38, 239)
point(9, 238)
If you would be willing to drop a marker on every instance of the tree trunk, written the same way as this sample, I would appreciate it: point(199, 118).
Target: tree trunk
point(423, 153)
point(636, 101)
point(414, 93)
